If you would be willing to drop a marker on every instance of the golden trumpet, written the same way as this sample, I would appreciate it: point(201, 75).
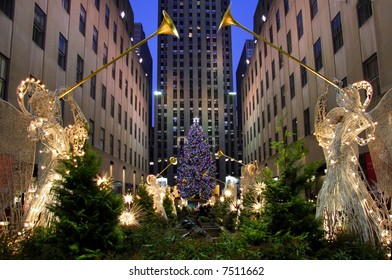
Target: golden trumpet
point(173, 161)
point(167, 27)
point(220, 153)
point(228, 20)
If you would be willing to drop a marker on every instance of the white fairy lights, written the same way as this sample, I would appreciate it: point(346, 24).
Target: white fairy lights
point(344, 201)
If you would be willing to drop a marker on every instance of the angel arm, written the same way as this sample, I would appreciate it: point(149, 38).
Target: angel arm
point(78, 132)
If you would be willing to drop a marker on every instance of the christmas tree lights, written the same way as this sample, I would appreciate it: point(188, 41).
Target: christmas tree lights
point(196, 166)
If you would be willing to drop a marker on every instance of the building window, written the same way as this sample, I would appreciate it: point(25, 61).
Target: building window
point(270, 146)
point(364, 11)
point(95, 40)
point(115, 32)
point(268, 113)
point(307, 122)
point(93, 86)
point(266, 80)
point(292, 85)
point(3, 76)
point(119, 114)
point(275, 105)
point(112, 106)
point(107, 14)
point(126, 88)
point(271, 33)
point(39, 27)
point(286, 6)
point(105, 54)
point(273, 69)
point(114, 71)
point(313, 8)
point(337, 33)
point(371, 73)
point(65, 4)
point(304, 76)
point(79, 69)
point(102, 139)
point(318, 57)
point(62, 55)
point(121, 44)
point(91, 132)
point(277, 21)
point(119, 149)
point(82, 20)
point(294, 129)
point(280, 59)
point(289, 42)
point(262, 88)
point(125, 120)
point(96, 2)
point(300, 25)
point(283, 96)
point(111, 145)
point(7, 6)
point(103, 97)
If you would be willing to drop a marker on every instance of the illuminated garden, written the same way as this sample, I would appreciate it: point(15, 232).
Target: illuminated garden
point(72, 212)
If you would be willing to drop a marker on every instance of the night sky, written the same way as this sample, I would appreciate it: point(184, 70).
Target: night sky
point(242, 11)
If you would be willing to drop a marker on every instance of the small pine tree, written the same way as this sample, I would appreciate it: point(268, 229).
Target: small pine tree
point(87, 217)
point(196, 166)
point(145, 201)
point(286, 210)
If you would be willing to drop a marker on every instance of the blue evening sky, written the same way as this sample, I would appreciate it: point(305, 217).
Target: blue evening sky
point(146, 12)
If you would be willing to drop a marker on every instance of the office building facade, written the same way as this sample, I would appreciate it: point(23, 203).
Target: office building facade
point(59, 43)
point(346, 40)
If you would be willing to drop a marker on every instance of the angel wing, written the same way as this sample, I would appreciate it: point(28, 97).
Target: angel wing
point(17, 153)
point(381, 147)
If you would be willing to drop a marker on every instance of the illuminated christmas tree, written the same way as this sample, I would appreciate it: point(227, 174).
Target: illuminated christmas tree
point(196, 165)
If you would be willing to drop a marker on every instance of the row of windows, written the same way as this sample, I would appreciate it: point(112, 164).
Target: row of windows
point(370, 70)
point(364, 11)
point(39, 28)
point(252, 133)
point(130, 158)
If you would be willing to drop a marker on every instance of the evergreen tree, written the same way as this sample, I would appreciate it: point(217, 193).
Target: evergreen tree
point(286, 211)
point(87, 215)
point(145, 201)
point(196, 165)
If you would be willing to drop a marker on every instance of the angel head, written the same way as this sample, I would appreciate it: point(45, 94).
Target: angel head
point(44, 105)
point(151, 180)
point(350, 97)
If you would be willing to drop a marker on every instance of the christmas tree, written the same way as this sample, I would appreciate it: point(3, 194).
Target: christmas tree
point(196, 165)
point(87, 211)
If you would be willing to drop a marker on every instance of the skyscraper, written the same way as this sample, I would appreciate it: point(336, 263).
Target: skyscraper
point(194, 79)
point(243, 63)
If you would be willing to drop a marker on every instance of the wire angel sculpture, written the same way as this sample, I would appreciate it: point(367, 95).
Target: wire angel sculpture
point(344, 200)
point(158, 194)
point(42, 123)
